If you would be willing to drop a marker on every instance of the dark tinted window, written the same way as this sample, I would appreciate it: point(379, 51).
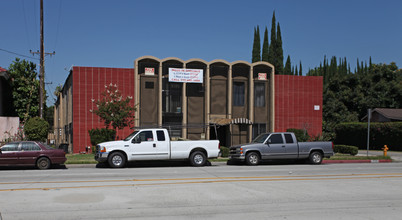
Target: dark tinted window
point(288, 138)
point(160, 135)
point(30, 146)
point(276, 139)
point(10, 147)
point(238, 93)
point(259, 94)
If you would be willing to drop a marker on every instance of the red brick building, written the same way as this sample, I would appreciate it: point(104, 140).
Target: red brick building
point(298, 103)
point(72, 117)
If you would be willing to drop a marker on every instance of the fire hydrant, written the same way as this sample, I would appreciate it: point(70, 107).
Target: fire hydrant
point(385, 148)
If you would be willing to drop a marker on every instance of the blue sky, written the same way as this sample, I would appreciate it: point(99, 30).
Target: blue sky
point(114, 33)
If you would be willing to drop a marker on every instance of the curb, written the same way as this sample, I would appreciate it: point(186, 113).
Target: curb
point(357, 161)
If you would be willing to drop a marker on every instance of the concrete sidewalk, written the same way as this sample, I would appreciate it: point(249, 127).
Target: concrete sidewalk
point(395, 155)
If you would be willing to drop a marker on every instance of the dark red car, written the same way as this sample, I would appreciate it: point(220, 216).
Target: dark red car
point(27, 153)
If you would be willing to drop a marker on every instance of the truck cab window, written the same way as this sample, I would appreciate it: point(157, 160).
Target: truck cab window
point(144, 136)
point(160, 135)
point(275, 139)
point(288, 138)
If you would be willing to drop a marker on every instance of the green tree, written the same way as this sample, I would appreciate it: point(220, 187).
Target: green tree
point(278, 52)
point(25, 89)
point(36, 129)
point(49, 116)
point(300, 69)
point(256, 45)
point(288, 67)
point(272, 46)
point(113, 109)
point(265, 46)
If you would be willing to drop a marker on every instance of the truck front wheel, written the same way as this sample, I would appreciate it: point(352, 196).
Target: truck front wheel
point(252, 159)
point(117, 160)
point(198, 159)
point(315, 157)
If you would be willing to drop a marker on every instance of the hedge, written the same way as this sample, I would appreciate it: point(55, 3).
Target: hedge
point(346, 149)
point(101, 135)
point(381, 133)
point(301, 135)
point(224, 151)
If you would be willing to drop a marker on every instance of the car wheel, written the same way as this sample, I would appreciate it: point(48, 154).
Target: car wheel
point(198, 159)
point(117, 160)
point(252, 159)
point(315, 157)
point(43, 163)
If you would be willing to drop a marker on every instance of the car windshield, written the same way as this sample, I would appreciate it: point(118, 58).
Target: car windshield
point(260, 138)
point(131, 136)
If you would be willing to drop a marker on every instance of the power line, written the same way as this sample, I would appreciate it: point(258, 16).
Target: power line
point(19, 54)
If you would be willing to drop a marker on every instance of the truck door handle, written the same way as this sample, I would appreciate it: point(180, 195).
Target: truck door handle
point(154, 145)
point(283, 145)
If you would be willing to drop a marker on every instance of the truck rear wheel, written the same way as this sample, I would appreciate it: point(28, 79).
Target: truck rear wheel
point(198, 159)
point(315, 157)
point(117, 160)
point(252, 159)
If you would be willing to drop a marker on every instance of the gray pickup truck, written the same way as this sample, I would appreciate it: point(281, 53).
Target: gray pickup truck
point(280, 145)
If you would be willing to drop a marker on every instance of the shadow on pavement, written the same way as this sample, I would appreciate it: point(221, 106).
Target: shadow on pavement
point(153, 163)
point(53, 167)
point(270, 162)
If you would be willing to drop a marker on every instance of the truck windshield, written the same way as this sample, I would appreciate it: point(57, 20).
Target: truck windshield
point(260, 138)
point(131, 136)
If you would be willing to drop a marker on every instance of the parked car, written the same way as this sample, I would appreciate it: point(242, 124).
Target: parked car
point(30, 153)
point(155, 144)
point(280, 145)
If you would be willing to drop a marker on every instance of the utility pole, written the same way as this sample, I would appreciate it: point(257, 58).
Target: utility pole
point(42, 63)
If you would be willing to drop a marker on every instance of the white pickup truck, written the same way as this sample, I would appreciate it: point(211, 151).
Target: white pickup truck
point(155, 144)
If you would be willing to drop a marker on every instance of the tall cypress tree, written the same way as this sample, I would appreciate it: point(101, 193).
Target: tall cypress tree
point(279, 52)
point(288, 67)
point(272, 46)
point(265, 46)
point(300, 70)
point(256, 46)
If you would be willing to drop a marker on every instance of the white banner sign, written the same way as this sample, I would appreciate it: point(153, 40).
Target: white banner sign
point(186, 75)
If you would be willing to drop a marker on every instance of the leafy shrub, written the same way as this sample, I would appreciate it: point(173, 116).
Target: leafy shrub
point(301, 135)
point(381, 133)
point(224, 151)
point(101, 135)
point(36, 129)
point(346, 149)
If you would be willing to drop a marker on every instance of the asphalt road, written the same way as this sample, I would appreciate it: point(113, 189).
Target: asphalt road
point(179, 191)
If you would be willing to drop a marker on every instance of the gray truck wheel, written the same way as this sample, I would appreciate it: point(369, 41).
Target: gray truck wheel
point(315, 157)
point(252, 159)
point(198, 159)
point(117, 160)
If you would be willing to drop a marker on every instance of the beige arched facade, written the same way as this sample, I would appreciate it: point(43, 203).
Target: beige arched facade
point(223, 106)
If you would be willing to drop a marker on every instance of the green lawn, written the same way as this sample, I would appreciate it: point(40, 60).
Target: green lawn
point(89, 158)
point(80, 159)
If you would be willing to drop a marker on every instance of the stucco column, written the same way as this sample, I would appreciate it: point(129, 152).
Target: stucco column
point(160, 96)
point(251, 103)
point(230, 93)
point(136, 94)
point(184, 111)
point(207, 102)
